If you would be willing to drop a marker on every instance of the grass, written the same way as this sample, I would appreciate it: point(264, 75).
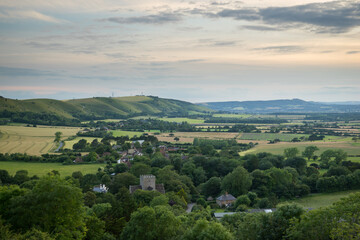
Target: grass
point(30, 140)
point(40, 169)
point(270, 136)
point(322, 199)
point(180, 120)
point(119, 133)
point(279, 148)
point(232, 115)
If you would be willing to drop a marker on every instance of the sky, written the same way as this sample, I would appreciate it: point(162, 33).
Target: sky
point(197, 51)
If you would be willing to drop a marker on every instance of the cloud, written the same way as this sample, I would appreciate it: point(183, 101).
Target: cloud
point(328, 17)
point(336, 17)
point(353, 52)
point(281, 49)
point(259, 28)
point(20, 72)
point(224, 43)
point(47, 46)
point(160, 18)
point(29, 14)
point(240, 14)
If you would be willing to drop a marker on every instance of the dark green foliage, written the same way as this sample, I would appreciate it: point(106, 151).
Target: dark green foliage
point(212, 187)
point(298, 163)
point(52, 206)
point(205, 230)
point(122, 180)
point(151, 223)
point(237, 182)
point(339, 221)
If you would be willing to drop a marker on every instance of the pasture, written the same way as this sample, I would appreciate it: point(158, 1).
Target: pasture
point(120, 133)
point(188, 137)
point(229, 115)
point(279, 148)
point(318, 200)
point(41, 169)
point(270, 136)
point(31, 140)
point(180, 120)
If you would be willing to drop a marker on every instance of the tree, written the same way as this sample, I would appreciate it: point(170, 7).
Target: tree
point(151, 223)
point(122, 180)
point(339, 221)
point(309, 152)
point(140, 169)
point(298, 163)
point(237, 182)
point(330, 155)
point(81, 144)
point(58, 136)
point(205, 230)
point(291, 152)
point(176, 139)
point(21, 176)
point(53, 206)
point(212, 187)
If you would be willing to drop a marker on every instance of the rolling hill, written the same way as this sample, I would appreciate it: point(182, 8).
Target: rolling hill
point(100, 107)
point(281, 106)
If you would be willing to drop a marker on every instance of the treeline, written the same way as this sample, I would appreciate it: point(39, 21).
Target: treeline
point(333, 117)
point(38, 118)
point(245, 120)
point(155, 124)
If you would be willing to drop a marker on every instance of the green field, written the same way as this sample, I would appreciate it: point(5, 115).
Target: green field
point(120, 133)
point(41, 169)
point(270, 136)
point(233, 115)
point(321, 199)
point(180, 120)
point(279, 148)
point(30, 140)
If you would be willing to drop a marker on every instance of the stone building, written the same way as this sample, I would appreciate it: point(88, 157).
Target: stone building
point(148, 183)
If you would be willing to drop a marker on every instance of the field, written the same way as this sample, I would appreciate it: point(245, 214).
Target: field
point(322, 199)
point(180, 120)
point(69, 144)
point(270, 136)
point(30, 140)
point(188, 137)
point(41, 169)
point(120, 133)
point(224, 115)
point(278, 148)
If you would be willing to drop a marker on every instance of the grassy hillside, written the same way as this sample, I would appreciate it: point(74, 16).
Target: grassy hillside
point(100, 107)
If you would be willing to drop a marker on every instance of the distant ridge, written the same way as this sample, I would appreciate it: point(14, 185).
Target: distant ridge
point(281, 106)
point(101, 107)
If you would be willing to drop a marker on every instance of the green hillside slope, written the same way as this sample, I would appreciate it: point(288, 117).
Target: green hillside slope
point(100, 107)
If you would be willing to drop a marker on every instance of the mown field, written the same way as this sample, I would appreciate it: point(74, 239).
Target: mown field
point(31, 140)
point(180, 120)
point(270, 136)
point(279, 148)
point(120, 133)
point(318, 200)
point(188, 137)
point(41, 169)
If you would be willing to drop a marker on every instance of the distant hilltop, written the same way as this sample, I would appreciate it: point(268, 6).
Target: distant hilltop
point(97, 108)
point(282, 106)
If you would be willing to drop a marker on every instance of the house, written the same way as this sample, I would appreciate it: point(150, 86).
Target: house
point(225, 200)
point(100, 188)
point(147, 183)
